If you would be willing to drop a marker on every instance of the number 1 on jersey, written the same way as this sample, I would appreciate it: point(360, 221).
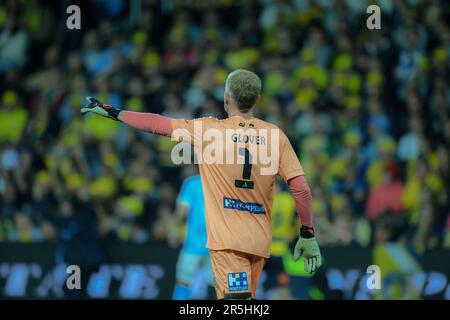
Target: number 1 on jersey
point(246, 171)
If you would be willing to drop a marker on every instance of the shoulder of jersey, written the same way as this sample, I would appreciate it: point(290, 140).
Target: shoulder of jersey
point(209, 118)
point(202, 118)
point(270, 124)
point(265, 123)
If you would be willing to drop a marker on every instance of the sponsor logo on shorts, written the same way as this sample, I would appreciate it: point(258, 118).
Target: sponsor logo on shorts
point(236, 204)
point(237, 281)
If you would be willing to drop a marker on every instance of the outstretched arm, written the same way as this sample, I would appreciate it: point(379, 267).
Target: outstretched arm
point(150, 122)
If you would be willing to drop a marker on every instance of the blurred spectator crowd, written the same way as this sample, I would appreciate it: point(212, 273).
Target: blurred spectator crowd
point(367, 110)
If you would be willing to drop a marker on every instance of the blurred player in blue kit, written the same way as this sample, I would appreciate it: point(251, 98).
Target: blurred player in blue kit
point(194, 256)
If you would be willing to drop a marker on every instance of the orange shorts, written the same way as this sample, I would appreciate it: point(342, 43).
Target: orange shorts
point(236, 273)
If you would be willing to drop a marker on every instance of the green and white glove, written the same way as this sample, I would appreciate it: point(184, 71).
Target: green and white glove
point(100, 108)
point(308, 248)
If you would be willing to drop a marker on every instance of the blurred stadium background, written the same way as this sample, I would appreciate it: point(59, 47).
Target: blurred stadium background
point(367, 110)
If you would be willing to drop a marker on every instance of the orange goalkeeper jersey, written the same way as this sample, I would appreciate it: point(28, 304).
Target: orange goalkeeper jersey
point(239, 160)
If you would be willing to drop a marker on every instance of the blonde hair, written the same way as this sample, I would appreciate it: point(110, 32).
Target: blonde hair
point(244, 87)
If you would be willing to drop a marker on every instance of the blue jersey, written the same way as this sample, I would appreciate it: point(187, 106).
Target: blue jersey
point(191, 195)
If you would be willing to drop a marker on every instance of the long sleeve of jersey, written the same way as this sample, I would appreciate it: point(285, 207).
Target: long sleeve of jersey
point(150, 122)
point(303, 199)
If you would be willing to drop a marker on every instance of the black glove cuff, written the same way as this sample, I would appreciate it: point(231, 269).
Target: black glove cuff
point(306, 232)
point(112, 112)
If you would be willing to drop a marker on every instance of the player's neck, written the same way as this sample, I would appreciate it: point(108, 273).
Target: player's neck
point(246, 115)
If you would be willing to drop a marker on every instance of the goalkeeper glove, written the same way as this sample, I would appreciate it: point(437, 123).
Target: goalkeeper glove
point(100, 108)
point(308, 248)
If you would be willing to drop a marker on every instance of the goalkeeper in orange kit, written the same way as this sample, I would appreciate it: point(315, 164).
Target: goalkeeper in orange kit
point(238, 182)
